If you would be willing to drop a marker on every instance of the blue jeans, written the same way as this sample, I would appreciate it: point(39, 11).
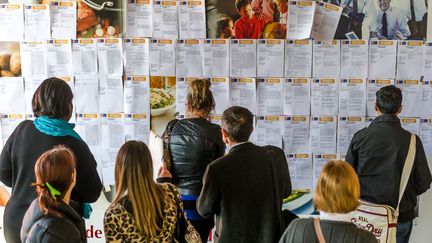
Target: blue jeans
point(403, 232)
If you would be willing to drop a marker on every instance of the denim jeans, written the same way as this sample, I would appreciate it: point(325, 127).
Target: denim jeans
point(403, 232)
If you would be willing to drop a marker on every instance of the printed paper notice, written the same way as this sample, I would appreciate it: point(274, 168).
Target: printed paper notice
point(347, 126)
point(216, 58)
point(137, 127)
point(354, 59)
point(84, 57)
point(373, 85)
point(243, 58)
point(162, 58)
point(411, 124)
point(426, 105)
point(300, 169)
point(139, 19)
point(34, 59)
point(37, 22)
point(426, 135)
point(136, 56)
point(326, 59)
point(270, 96)
point(409, 60)
point(270, 58)
point(269, 131)
point(136, 95)
point(87, 126)
point(11, 22)
point(382, 59)
point(192, 19)
point(165, 18)
point(297, 96)
point(189, 58)
point(325, 21)
point(296, 134)
point(300, 19)
point(59, 58)
point(110, 58)
point(324, 101)
point(63, 20)
point(243, 93)
point(111, 94)
point(298, 58)
point(352, 97)
point(86, 95)
point(220, 90)
point(411, 97)
point(8, 124)
point(181, 93)
point(427, 60)
point(322, 134)
point(12, 95)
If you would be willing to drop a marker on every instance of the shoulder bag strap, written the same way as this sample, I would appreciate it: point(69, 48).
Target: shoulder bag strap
point(271, 155)
point(318, 230)
point(406, 172)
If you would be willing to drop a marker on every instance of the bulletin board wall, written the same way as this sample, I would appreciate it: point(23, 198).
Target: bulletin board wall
point(310, 85)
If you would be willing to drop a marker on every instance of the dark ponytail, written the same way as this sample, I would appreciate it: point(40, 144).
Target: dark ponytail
point(200, 97)
point(54, 171)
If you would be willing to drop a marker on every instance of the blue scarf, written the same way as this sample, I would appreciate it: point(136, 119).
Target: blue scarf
point(57, 128)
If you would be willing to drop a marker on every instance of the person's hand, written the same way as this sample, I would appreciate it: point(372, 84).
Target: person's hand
point(164, 172)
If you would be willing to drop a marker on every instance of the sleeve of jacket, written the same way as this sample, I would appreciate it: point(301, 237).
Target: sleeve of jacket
point(284, 179)
point(6, 164)
point(351, 155)
point(88, 184)
point(209, 200)
point(422, 175)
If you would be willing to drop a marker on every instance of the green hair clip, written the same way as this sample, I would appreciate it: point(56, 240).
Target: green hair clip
point(54, 192)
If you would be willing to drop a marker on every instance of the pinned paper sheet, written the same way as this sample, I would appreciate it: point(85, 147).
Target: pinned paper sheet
point(322, 138)
point(382, 59)
point(192, 19)
point(189, 58)
point(352, 97)
point(300, 19)
point(269, 131)
point(243, 58)
point(409, 60)
point(63, 19)
point(37, 22)
point(110, 58)
point(297, 96)
point(165, 19)
point(84, 57)
point(411, 97)
point(220, 91)
point(137, 127)
point(298, 58)
point(270, 54)
point(326, 59)
point(162, 58)
point(216, 58)
point(136, 94)
point(347, 127)
point(11, 22)
point(296, 134)
point(354, 59)
point(426, 135)
point(324, 99)
point(243, 93)
point(59, 57)
point(270, 96)
point(136, 56)
point(139, 19)
point(300, 169)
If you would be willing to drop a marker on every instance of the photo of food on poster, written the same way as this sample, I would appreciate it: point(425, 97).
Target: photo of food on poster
point(162, 102)
point(10, 59)
point(100, 19)
point(280, 19)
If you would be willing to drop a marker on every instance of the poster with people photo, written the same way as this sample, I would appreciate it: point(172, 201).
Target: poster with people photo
point(360, 19)
point(382, 19)
point(247, 19)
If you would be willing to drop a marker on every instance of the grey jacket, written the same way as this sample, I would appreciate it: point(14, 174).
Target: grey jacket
point(37, 227)
point(302, 231)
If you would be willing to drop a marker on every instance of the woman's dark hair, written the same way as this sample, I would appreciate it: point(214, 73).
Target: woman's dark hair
point(222, 24)
point(238, 123)
point(55, 169)
point(389, 99)
point(199, 96)
point(53, 98)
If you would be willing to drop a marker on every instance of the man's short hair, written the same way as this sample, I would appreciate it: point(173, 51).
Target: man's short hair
point(337, 189)
point(238, 123)
point(242, 3)
point(389, 99)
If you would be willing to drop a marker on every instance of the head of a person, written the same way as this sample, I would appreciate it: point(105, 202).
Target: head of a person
point(225, 27)
point(337, 189)
point(134, 179)
point(55, 178)
point(384, 5)
point(244, 8)
point(282, 6)
point(389, 100)
point(237, 124)
point(200, 98)
point(53, 98)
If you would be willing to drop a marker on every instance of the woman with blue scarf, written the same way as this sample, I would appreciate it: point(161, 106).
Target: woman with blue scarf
point(52, 107)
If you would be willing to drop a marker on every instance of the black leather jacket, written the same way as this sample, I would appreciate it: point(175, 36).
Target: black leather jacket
point(194, 143)
point(37, 227)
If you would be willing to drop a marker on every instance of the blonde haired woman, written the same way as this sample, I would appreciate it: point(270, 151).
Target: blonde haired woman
point(189, 146)
point(142, 210)
point(337, 193)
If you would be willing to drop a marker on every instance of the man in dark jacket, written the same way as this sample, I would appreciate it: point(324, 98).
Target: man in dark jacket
point(245, 188)
point(378, 153)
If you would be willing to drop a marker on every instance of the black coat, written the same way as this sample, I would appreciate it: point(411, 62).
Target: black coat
point(38, 227)
point(378, 153)
point(17, 161)
point(194, 143)
point(240, 191)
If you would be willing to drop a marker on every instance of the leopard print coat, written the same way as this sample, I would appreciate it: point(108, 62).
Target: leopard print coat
point(119, 225)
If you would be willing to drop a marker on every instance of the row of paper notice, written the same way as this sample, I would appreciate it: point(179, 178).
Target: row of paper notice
point(224, 58)
point(316, 97)
point(159, 19)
